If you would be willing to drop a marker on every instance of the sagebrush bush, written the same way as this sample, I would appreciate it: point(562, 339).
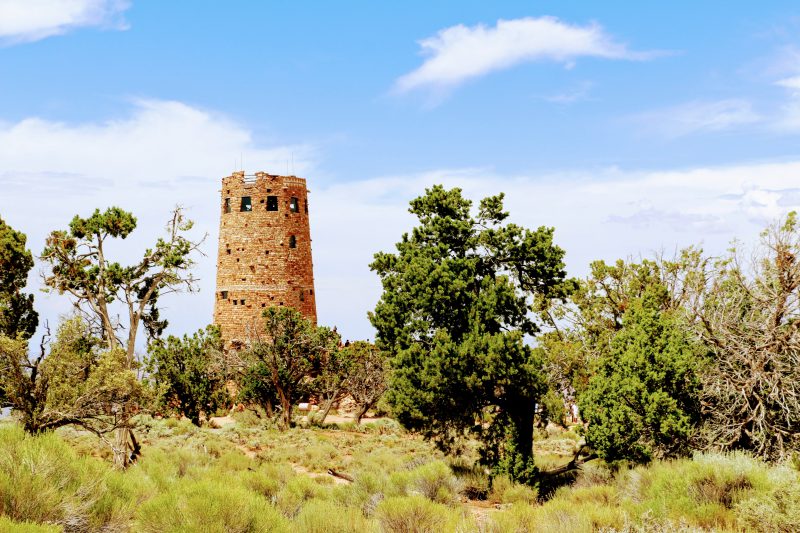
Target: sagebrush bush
point(209, 506)
point(319, 516)
point(42, 480)
point(297, 491)
point(415, 514)
point(506, 491)
point(10, 526)
point(435, 481)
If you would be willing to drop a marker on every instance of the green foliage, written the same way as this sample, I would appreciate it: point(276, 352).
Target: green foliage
point(415, 514)
point(367, 375)
point(255, 387)
point(42, 480)
point(454, 312)
point(17, 317)
point(8, 525)
point(76, 383)
point(291, 348)
point(189, 373)
point(199, 479)
point(79, 266)
point(553, 408)
point(642, 402)
point(209, 506)
point(330, 383)
point(319, 516)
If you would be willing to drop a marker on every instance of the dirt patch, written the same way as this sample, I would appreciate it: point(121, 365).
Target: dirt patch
point(221, 421)
point(300, 469)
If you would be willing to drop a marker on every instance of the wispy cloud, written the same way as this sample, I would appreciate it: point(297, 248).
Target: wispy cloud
point(575, 94)
point(699, 117)
point(459, 53)
point(33, 20)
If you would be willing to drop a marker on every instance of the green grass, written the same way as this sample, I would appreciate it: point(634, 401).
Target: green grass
point(250, 478)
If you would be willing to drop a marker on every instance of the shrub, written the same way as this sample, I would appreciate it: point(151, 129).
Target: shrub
point(295, 493)
point(415, 514)
point(473, 479)
point(434, 481)
point(506, 491)
point(319, 516)
point(10, 526)
point(643, 401)
point(774, 508)
point(42, 480)
point(209, 506)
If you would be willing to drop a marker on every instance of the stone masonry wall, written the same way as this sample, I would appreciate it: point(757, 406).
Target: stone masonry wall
point(264, 256)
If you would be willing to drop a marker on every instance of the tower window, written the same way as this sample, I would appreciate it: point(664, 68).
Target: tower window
point(302, 296)
point(235, 302)
point(305, 207)
point(294, 205)
point(227, 205)
point(223, 295)
point(247, 203)
point(272, 203)
point(292, 241)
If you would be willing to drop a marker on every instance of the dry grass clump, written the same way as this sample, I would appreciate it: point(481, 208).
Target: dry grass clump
point(209, 505)
point(242, 479)
point(416, 514)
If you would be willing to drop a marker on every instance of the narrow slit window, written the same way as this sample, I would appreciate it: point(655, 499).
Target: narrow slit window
point(302, 296)
point(272, 203)
point(305, 207)
point(292, 241)
point(247, 203)
point(294, 205)
point(227, 205)
point(223, 295)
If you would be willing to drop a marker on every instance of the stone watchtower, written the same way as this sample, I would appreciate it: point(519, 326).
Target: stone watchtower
point(264, 252)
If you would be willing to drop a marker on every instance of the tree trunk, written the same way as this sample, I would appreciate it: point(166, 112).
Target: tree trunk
point(286, 407)
point(121, 451)
point(326, 410)
point(268, 408)
point(522, 418)
point(360, 412)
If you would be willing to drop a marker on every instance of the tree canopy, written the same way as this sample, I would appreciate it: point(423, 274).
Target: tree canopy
point(189, 373)
point(17, 316)
point(458, 300)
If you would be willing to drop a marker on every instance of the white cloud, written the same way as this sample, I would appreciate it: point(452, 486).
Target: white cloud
point(603, 214)
point(164, 153)
point(792, 83)
point(32, 20)
point(699, 117)
point(167, 152)
point(459, 53)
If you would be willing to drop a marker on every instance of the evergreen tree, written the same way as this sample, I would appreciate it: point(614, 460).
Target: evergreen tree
point(642, 401)
point(456, 306)
point(17, 317)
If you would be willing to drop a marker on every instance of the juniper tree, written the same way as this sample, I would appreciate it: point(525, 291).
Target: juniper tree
point(288, 350)
point(189, 373)
point(17, 316)
point(642, 401)
point(79, 266)
point(457, 303)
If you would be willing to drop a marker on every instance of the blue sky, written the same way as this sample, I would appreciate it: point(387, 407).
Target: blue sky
point(630, 127)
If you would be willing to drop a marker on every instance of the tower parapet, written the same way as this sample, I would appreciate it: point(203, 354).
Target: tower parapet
point(264, 256)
